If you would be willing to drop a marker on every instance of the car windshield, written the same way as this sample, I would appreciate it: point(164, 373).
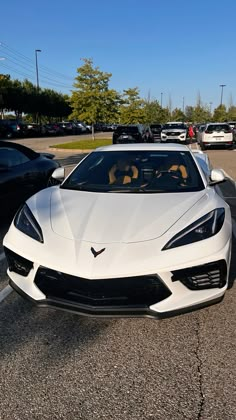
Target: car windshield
point(136, 172)
point(170, 126)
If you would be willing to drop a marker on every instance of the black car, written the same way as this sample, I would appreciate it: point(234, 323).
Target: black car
point(136, 133)
point(23, 172)
point(156, 131)
point(12, 128)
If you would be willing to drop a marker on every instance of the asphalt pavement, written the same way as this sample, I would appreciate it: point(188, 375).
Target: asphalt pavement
point(56, 365)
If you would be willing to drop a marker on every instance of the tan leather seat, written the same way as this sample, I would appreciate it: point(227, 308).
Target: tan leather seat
point(180, 168)
point(115, 177)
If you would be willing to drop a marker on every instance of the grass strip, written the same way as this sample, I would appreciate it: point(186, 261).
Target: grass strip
point(83, 144)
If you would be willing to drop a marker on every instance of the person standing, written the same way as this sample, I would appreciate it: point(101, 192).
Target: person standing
point(190, 133)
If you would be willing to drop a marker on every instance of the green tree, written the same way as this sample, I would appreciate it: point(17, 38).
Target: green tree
point(220, 113)
point(189, 113)
point(178, 115)
point(132, 109)
point(201, 114)
point(231, 113)
point(154, 113)
point(92, 100)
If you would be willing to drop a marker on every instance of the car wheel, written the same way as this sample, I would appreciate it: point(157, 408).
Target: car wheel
point(203, 147)
point(9, 135)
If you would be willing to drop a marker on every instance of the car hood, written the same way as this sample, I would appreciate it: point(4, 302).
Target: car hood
point(116, 217)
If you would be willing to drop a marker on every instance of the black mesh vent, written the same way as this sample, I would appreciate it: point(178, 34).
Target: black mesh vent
point(207, 276)
point(129, 292)
point(17, 263)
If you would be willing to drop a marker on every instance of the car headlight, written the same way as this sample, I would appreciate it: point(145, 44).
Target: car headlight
point(26, 223)
point(204, 228)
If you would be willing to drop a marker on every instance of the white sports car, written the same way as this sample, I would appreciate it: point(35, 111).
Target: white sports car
point(135, 229)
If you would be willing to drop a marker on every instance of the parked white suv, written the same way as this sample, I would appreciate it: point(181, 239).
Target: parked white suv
point(216, 134)
point(174, 132)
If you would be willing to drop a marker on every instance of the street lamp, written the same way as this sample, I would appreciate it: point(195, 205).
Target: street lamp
point(37, 78)
point(161, 98)
point(221, 97)
point(37, 70)
point(210, 103)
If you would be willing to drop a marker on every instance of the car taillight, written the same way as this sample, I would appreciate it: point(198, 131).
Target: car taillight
point(208, 132)
point(18, 127)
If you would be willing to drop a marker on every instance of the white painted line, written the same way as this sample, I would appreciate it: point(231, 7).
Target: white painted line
point(5, 292)
point(234, 227)
point(2, 256)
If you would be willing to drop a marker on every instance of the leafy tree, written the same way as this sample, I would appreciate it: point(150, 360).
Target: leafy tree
point(154, 113)
point(132, 110)
point(92, 100)
point(220, 113)
point(231, 113)
point(189, 113)
point(201, 114)
point(178, 115)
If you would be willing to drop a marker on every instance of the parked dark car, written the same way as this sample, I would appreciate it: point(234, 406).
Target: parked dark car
point(136, 133)
point(23, 172)
point(69, 128)
point(156, 131)
point(52, 130)
point(34, 130)
point(12, 129)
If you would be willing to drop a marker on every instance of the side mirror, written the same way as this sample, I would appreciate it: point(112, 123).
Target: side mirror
point(216, 177)
point(57, 176)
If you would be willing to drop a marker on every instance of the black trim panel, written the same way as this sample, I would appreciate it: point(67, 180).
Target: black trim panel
point(112, 312)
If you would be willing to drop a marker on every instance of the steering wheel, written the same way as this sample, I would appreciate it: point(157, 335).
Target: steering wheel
point(172, 173)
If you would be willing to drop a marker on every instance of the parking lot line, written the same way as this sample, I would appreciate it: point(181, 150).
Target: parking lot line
point(5, 292)
point(2, 256)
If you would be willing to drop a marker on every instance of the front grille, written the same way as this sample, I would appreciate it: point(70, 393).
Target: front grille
point(17, 263)
point(141, 291)
point(171, 133)
point(207, 276)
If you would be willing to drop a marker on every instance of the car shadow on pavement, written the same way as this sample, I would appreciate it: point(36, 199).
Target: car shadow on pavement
point(50, 332)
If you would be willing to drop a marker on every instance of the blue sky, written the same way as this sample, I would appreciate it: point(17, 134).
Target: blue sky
point(180, 48)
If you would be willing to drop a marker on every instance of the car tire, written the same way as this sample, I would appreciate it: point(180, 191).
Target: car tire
point(203, 147)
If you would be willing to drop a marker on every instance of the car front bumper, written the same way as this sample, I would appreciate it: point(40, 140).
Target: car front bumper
point(156, 295)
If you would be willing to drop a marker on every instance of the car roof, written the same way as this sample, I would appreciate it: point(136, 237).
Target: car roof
point(143, 146)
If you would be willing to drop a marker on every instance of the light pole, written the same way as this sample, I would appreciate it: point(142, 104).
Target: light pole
point(161, 98)
point(1, 96)
point(37, 78)
point(221, 97)
point(183, 105)
point(210, 103)
point(37, 70)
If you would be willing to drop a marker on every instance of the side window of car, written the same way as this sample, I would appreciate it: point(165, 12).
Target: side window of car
point(12, 157)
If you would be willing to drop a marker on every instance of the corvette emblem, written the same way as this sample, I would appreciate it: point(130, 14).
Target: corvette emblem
point(96, 253)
